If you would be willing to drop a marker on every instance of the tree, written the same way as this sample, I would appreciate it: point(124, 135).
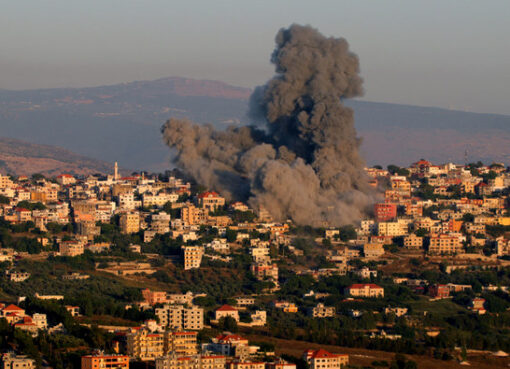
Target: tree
point(421, 232)
point(326, 242)
point(37, 176)
point(403, 172)
point(243, 216)
point(468, 217)
point(348, 233)
point(31, 205)
point(231, 235)
point(4, 199)
point(228, 324)
point(426, 191)
point(491, 175)
point(393, 168)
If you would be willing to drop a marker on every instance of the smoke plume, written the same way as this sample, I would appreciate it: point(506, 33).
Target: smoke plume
point(303, 161)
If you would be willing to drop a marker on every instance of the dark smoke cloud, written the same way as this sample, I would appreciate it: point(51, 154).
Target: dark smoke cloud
point(304, 162)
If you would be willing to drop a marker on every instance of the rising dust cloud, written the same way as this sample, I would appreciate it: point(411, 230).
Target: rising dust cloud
point(300, 159)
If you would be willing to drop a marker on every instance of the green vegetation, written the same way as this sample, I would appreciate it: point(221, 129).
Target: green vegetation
point(31, 205)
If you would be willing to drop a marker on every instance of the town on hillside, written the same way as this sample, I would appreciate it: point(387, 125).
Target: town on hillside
point(152, 271)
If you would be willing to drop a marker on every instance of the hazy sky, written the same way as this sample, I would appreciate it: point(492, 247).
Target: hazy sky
point(447, 53)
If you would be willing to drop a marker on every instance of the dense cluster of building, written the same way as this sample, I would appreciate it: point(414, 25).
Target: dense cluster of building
point(426, 210)
point(440, 209)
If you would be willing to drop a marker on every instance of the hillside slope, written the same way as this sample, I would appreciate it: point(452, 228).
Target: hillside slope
point(23, 158)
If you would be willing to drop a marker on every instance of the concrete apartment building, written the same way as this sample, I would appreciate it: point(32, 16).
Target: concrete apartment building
point(192, 215)
point(88, 229)
point(258, 318)
point(322, 359)
point(225, 311)
point(365, 290)
point(173, 361)
point(129, 222)
point(18, 276)
point(245, 301)
point(158, 200)
point(144, 345)
point(160, 222)
point(385, 211)
point(392, 229)
point(445, 244)
point(210, 200)
point(70, 248)
point(12, 361)
point(260, 254)
point(321, 311)
point(65, 179)
point(368, 226)
point(193, 362)
point(280, 364)
point(127, 201)
point(402, 187)
point(264, 271)
point(101, 361)
point(182, 343)
point(398, 311)
point(247, 365)
point(287, 307)
point(413, 242)
point(154, 297)
point(180, 317)
point(373, 250)
point(414, 210)
point(5, 182)
point(192, 256)
point(472, 228)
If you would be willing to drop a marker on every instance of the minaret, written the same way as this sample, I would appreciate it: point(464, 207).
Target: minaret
point(116, 173)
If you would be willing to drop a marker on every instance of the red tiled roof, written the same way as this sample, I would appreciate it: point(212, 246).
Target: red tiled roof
point(13, 307)
point(422, 162)
point(230, 337)
point(321, 353)
point(226, 308)
point(208, 194)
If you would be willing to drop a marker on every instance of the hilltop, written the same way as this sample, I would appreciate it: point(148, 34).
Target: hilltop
point(122, 123)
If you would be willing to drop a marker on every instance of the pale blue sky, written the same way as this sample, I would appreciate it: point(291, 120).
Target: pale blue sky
point(447, 53)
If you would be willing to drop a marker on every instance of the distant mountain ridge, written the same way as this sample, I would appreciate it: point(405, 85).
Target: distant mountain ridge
point(23, 158)
point(122, 123)
point(194, 87)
